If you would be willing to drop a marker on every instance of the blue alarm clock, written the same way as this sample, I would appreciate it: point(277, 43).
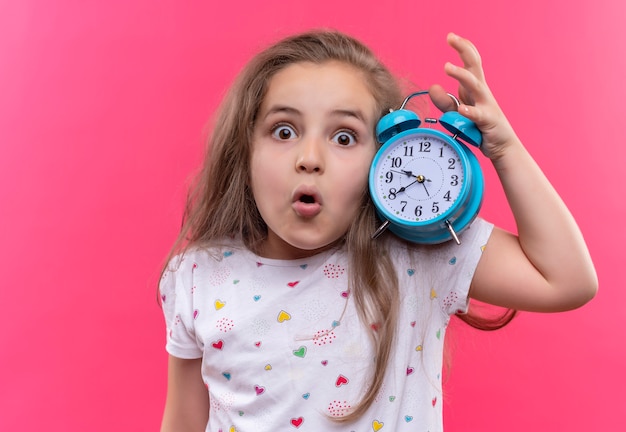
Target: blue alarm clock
point(427, 185)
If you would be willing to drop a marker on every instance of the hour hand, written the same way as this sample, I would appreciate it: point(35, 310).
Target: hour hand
point(407, 173)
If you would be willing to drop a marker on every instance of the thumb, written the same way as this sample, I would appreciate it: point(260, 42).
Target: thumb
point(441, 99)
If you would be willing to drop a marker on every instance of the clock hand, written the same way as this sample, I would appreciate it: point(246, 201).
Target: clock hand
point(423, 180)
point(418, 179)
point(408, 173)
point(403, 188)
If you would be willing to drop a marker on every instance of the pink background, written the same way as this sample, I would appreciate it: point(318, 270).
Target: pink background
point(103, 111)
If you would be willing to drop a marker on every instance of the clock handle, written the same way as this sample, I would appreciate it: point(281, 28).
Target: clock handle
point(419, 93)
point(453, 121)
point(380, 230)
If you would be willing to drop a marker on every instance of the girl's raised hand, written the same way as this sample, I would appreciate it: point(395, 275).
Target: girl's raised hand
point(477, 102)
point(545, 267)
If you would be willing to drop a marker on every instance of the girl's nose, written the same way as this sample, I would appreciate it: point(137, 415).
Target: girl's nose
point(311, 156)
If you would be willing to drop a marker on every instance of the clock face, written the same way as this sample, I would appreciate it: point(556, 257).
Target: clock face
point(419, 177)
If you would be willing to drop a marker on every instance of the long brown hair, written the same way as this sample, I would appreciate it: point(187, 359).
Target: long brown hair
point(220, 203)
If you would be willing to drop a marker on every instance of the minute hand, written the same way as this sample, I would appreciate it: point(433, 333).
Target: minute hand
point(419, 179)
point(403, 188)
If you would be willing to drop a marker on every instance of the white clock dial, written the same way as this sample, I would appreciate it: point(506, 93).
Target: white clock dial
point(419, 178)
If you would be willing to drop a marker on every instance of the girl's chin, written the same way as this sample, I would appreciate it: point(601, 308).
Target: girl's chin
point(278, 248)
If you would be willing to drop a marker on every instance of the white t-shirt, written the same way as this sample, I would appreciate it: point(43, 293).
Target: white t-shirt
point(283, 347)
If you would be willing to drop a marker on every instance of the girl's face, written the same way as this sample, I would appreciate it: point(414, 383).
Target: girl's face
point(312, 147)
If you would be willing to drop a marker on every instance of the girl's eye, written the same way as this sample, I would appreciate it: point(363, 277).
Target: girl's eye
point(345, 138)
point(283, 132)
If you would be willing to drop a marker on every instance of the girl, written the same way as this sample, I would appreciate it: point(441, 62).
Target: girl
point(282, 313)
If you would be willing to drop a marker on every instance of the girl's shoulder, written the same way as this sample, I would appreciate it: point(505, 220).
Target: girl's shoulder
point(212, 254)
point(198, 263)
point(444, 261)
point(446, 270)
point(477, 234)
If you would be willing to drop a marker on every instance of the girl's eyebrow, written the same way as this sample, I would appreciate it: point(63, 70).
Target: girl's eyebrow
point(356, 113)
point(278, 110)
point(281, 109)
point(339, 112)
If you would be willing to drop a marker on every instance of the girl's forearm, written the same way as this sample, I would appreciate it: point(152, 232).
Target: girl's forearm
point(548, 233)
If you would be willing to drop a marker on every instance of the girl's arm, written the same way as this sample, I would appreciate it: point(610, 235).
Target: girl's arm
point(547, 266)
point(187, 402)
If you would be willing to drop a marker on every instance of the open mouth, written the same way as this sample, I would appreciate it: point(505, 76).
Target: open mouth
point(307, 199)
point(307, 203)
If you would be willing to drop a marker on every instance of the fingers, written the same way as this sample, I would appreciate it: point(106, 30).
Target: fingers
point(469, 85)
point(477, 102)
point(473, 89)
point(442, 100)
point(469, 54)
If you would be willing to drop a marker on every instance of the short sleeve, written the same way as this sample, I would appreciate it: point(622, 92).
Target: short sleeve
point(176, 288)
point(457, 264)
